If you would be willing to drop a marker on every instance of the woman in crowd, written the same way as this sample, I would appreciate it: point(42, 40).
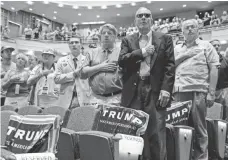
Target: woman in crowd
point(14, 83)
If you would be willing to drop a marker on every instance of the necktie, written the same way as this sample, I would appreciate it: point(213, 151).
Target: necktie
point(75, 62)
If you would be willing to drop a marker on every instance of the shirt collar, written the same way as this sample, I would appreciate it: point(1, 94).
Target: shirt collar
point(77, 58)
point(149, 34)
point(197, 41)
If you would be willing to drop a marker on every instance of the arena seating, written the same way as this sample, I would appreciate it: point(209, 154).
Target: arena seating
point(30, 110)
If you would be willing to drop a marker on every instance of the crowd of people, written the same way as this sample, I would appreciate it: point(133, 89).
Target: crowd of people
point(146, 73)
point(169, 25)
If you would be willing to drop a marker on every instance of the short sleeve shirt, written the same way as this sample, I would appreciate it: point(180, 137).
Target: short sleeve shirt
point(193, 73)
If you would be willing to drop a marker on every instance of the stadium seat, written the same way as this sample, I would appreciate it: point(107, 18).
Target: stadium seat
point(9, 108)
point(217, 130)
point(67, 146)
point(30, 110)
point(5, 117)
point(55, 110)
point(82, 118)
point(215, 112)
point(98, 145)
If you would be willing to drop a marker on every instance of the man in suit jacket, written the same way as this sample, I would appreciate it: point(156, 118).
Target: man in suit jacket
point(74, 92)
point(147, 60)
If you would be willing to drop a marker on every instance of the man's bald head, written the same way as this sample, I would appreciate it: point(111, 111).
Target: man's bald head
point(142, 9)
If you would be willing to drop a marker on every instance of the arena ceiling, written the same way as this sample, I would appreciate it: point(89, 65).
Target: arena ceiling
point(108, 11)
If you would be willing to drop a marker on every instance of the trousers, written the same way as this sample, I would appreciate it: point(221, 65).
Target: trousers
point(155, 136)
point(197, 121)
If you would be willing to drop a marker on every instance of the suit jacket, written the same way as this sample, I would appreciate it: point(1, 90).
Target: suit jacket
point(162, 66)
point(64, 76)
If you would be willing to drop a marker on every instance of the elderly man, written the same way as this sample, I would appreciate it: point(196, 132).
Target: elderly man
point(221, 93)
point(6, 65)
point(101, 68)
point(147, 61)
point(74, 92)
point(196, 77)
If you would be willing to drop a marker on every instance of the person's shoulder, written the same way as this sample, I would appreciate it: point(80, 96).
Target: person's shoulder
point(160, 34)
point(131, 36)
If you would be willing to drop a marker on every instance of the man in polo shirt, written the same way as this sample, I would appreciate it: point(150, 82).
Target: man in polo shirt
point(196, 77)
point(101, 68)
point(221, 93)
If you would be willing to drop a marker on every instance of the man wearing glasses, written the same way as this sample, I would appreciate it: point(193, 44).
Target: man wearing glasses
point(147, 61)
point(221, 94)
point(74, 92)
point(196, 77)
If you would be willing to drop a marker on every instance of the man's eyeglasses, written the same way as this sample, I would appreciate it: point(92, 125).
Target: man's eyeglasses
point(216, 45)
point(146, 15)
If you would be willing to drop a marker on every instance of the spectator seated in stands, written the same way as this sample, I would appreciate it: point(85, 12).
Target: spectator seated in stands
point(74, 31)
point(173, 25)
point(15, 83)
point(58, 34)
point(49, 34)
point(156, 26)
point(206, 19)
point(65, 31)
point(28, 32)
point(200, 21)
point(224, 17)
point(32, 60)
point(214, 20)
point(164, 28)
point(5, 32)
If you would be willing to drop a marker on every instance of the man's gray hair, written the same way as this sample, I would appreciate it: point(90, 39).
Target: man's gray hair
point(195, 22)
point(110, 27)
point(142, 8)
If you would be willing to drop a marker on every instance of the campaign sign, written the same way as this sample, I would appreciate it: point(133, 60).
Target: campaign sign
point(29, 134)
point(116, 119)
point(178, 113)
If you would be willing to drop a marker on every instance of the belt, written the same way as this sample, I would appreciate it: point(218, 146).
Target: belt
point(110, 94)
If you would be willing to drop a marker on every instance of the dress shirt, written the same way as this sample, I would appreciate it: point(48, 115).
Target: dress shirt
point(144, 40)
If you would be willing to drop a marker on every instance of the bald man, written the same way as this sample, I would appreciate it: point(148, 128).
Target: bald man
point(147, 60)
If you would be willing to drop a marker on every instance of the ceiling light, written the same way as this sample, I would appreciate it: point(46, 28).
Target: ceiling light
point(2, 3)
point(118, 14)
point(223, 41)
point(104, 7)
point(29, 2)
point(148, 1)
point(89, 7)
point(99, 22)
point(54, 17)
point(209, 1)
point(75, 7)
point(200, 13)
point(133, 3)
point(98, 16)
point(118, 6)
point(79, 14)
point(55, 12)
point(60, 5)
point(161, 9)
point(30, 9)
point(184, 5)
point(12, 8)
point(43, 14)
point(46, 2)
